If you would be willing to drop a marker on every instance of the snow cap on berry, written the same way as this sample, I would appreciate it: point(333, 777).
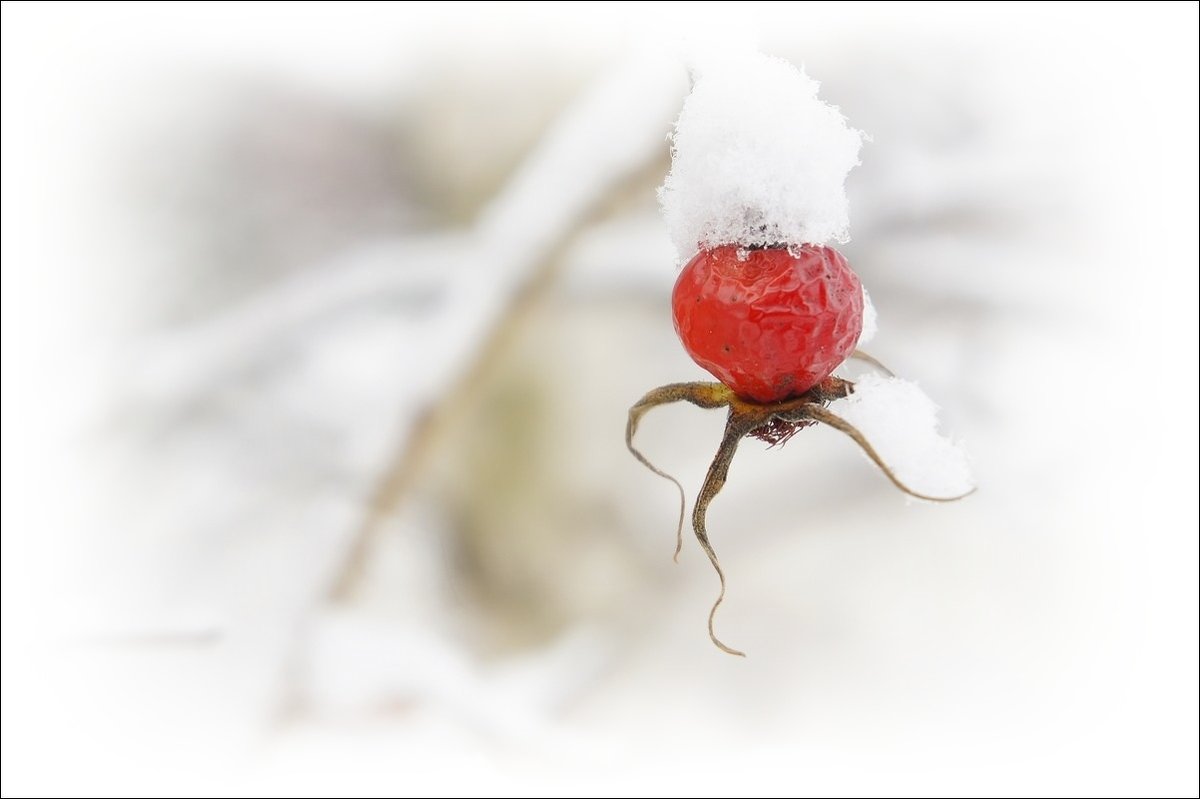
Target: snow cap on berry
point(901, 422)
point(757, 159)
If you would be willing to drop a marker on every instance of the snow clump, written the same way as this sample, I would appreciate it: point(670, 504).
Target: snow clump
point(901, 422)
point(757, 159)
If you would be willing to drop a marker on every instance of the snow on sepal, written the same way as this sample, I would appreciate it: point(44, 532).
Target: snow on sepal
point(757, 159)
point(900, 421)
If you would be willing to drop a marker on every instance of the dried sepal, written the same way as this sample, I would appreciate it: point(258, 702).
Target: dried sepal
point(704, 395)
point(774, 423)
point(859, 355)
point(838, 423)
point(736, 427)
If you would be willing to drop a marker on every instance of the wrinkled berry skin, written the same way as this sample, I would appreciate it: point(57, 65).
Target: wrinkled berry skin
point(769, 323)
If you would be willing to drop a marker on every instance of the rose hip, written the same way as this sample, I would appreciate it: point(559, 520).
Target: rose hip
point(770, 323)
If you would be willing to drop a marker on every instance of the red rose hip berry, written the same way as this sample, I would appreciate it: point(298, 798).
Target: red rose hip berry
point(769, 323)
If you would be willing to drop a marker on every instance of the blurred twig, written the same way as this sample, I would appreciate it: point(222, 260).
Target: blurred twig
point(615, 130)
point(419, 442)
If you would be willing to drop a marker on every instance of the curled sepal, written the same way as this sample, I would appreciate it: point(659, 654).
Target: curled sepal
point(738, 425)
point(824, 416)
point(704, 395)
point(866, 358)
point(773, 423)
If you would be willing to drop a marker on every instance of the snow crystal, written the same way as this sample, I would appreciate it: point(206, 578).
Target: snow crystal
point(757, 159)
point(900, 421)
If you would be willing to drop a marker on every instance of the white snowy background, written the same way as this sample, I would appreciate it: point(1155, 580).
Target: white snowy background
point(252, 253)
